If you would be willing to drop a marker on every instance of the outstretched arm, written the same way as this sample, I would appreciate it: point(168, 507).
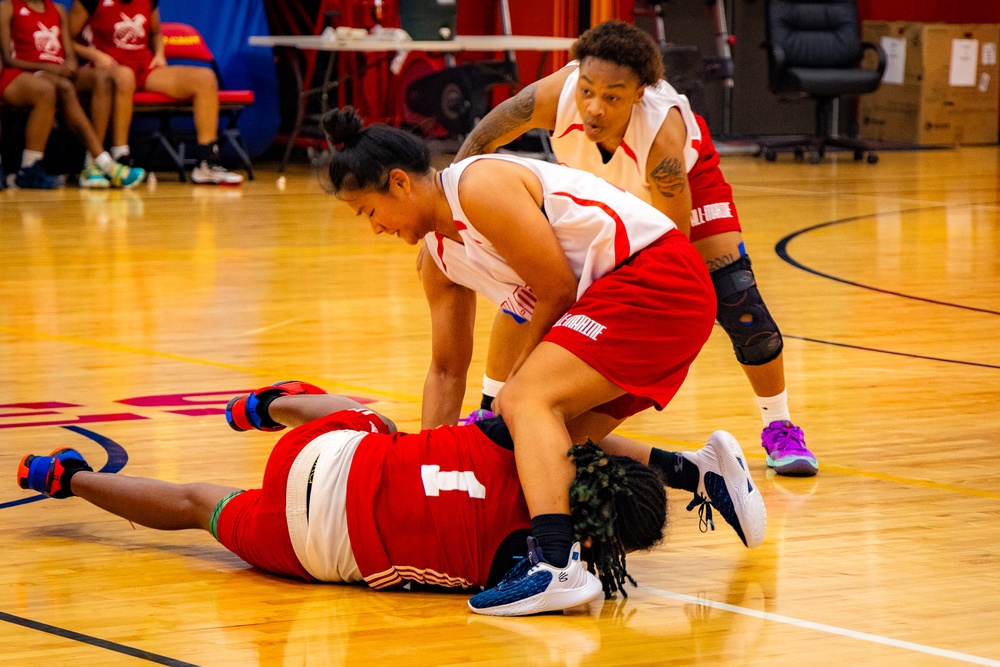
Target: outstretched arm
point(533, 107)
point(298, 409)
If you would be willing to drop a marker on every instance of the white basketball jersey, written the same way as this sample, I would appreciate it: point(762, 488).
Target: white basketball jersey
point(598, 226)
point(627, 166)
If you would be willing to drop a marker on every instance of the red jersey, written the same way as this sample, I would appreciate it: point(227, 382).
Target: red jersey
point(37, 36)
point(432, 507)
point(121, 30)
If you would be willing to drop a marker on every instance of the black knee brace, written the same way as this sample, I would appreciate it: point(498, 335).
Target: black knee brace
point(743, 314)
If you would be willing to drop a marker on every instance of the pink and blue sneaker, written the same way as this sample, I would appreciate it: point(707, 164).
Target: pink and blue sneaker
point(786, 450)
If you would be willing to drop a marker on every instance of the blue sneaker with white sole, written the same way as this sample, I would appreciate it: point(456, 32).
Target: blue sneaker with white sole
point(534, 587)
point(726, 485)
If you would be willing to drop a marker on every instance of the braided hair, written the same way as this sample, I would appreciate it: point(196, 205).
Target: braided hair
point(620, 505)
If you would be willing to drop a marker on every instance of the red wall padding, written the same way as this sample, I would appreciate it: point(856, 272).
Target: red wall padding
point(930, 11)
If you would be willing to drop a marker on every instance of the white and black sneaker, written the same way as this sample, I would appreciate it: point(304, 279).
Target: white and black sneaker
point(726, 485)
point(207, 173)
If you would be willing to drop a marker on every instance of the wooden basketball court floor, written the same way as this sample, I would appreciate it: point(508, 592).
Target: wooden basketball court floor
point(127, 319)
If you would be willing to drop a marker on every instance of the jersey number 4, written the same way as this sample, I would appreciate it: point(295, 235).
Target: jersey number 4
point(435, 481)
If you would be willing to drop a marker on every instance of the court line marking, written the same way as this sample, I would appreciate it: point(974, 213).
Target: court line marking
point(826, 467)
point(781, 248)
point(923, 357)
point(829, 629)
point(117, 458)
point(93, 641)
point(271, 373)
point(276, 325)
point(411, 399)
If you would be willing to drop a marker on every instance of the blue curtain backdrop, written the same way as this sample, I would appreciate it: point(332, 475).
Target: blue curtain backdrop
point(226, 25)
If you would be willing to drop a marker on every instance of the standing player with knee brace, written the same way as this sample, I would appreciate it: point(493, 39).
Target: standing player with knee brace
point(611, 113)
point(126, 40)
point(40, 72)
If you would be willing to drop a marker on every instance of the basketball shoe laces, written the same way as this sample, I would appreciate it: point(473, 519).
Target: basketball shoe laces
point(705, 522)
point(522, 567)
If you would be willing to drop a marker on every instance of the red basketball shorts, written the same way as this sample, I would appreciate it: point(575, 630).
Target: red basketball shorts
point(712, 208)
point(7, 76)
point(642, 325)
point(252, 523)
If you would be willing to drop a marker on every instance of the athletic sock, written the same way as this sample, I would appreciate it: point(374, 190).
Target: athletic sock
point(554, 534)
point(491, 388)
point(104, 161)
point(774, 408)
point(119, 152)
point(29, 158)
point(207, 153)
point(70, 468)
point(678, 472)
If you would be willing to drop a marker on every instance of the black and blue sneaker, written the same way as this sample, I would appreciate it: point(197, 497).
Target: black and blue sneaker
point(726, 485)
point(50, 475)
point(533, 587)
point(36, 178)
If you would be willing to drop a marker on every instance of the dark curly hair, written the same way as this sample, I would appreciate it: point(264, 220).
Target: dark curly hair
point(363, 157)
point(622, 44)
point(620, 505)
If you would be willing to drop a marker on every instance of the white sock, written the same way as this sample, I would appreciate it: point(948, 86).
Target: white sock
point(492, 387)
point(105, 162)
point(118, 152)
point(774, 408)
point(29, 158)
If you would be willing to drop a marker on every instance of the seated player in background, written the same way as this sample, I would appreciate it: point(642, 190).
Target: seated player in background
point(346, 498)
point(610, 112)
point(40, 72)
point(125, 40)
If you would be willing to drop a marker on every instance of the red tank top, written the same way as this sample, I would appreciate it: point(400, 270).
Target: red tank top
point(432, 507)
point(37, 36)
point(121, 30)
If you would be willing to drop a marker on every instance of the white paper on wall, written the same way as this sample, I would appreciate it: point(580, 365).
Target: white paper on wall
point(964, 57)
point(989, 53)
point(895, 59)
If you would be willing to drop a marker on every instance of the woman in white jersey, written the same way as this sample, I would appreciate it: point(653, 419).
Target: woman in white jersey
point(611, 113)
point(618, 301)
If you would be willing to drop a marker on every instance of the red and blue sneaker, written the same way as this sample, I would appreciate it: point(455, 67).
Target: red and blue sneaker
point(249, 413)
point(50, 475)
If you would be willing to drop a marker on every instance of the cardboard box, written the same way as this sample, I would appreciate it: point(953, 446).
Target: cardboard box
point(940, 85)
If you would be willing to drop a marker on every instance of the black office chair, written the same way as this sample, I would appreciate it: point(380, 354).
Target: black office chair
point(814, 48)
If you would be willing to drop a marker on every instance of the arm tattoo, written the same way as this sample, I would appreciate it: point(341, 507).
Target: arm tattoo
point(669, 177)
point(508, 116)
point(720, 262)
